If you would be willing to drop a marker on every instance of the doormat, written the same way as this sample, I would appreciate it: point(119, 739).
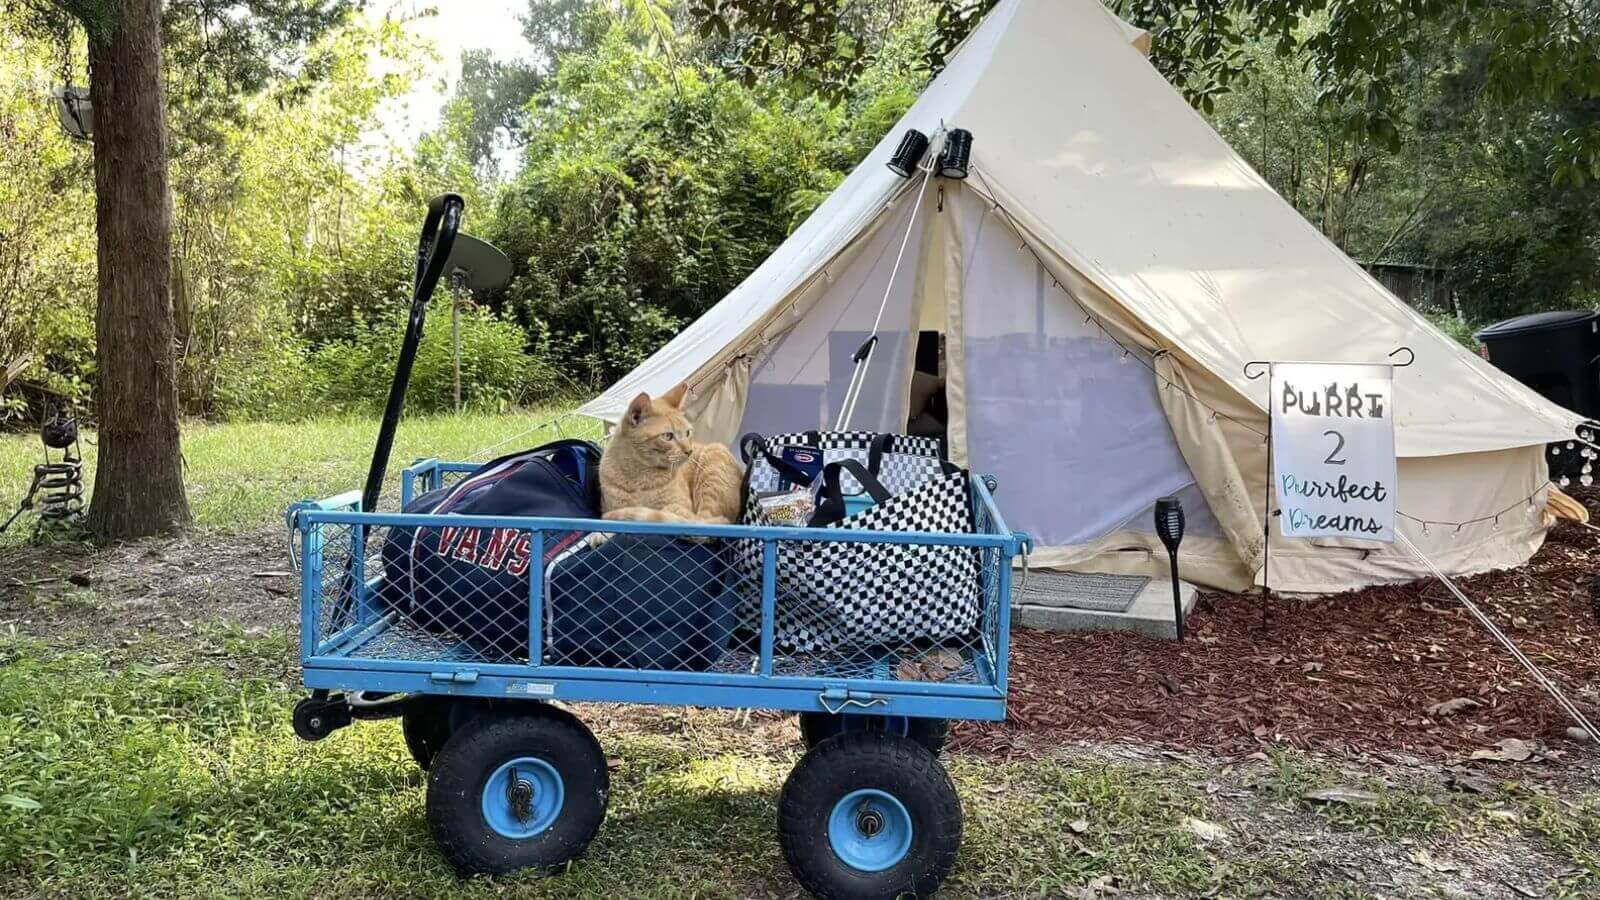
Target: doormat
point(1074, 590)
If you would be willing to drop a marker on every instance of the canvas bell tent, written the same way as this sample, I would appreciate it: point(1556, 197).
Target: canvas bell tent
point(1076, 315)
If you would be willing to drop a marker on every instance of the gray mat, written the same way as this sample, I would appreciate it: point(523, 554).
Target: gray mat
point(1101, 593)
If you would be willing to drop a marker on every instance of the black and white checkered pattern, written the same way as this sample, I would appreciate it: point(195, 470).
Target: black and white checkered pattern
point(835, 596)
point(906, 464)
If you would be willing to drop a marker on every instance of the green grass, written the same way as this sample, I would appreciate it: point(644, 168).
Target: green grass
point(241, 476)
point(190, 783)
point(1400, 812)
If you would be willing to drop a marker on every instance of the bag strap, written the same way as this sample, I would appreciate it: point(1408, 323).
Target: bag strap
point(881, 444)
point(831, 507)
point(753, 445)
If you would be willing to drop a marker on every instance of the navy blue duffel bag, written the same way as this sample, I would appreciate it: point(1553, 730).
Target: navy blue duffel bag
point(632, 602)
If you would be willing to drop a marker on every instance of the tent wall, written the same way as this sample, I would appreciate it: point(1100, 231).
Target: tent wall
point(1001, 280)
point(1442, 489)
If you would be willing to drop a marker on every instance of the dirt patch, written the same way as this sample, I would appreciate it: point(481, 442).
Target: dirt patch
point(1361, 672)
point(171, 590)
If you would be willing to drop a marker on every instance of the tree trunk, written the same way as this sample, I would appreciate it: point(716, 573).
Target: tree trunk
point(138, 484)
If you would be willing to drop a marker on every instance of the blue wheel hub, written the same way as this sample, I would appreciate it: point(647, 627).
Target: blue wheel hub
point(523, 798)
point(870, 830)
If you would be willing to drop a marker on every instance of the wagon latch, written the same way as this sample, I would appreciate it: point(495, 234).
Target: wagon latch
point(836, 700)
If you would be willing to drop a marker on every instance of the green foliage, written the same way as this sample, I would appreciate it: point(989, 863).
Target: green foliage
point(650, 188)
point(1538, 51)
point(659, 153)
point(495, 372)
point(47, 279)
point(1462, 331)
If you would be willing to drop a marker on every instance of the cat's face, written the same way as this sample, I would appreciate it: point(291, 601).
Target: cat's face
point(657, 430)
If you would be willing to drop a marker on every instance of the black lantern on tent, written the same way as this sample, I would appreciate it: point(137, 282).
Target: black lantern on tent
point(957, 154)
point(1169, 527)
point(909, 154)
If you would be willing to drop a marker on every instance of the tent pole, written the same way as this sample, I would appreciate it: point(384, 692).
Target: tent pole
point(1511, 647)
point(863, 357)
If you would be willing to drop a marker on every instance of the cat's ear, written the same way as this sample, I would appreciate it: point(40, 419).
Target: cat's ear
point(674, 397)
point(638, 408)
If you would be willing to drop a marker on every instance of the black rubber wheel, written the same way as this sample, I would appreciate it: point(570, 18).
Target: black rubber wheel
point(541, 756)
point(818, 727)
point(425, 724)
point(430, 719)
point(869, 815)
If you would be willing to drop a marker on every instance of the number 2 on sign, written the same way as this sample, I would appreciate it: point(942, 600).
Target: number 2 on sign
point(1334, 459)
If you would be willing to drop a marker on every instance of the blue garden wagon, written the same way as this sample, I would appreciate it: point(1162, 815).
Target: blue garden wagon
point(516, 780)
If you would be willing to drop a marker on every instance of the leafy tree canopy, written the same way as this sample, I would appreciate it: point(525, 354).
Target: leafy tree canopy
point(1533, 50)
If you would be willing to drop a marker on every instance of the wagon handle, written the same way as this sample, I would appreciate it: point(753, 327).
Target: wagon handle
point(433, 252)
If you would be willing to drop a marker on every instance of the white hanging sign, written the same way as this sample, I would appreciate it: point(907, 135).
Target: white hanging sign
point(1333, 457)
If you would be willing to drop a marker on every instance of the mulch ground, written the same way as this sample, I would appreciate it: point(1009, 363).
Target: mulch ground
point(1354, 673)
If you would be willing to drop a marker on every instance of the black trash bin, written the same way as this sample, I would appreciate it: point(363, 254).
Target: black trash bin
point(1555, 353)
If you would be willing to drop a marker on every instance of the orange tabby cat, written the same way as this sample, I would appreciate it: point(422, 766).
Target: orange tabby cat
point(653, 471)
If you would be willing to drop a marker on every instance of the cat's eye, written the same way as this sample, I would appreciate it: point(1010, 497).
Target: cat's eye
point(665, 437)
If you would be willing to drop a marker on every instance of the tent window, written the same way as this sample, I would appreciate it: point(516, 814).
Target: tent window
point(1074, 431)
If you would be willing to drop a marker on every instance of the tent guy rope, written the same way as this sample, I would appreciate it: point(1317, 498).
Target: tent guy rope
point(858, 378)
point(1511, 647)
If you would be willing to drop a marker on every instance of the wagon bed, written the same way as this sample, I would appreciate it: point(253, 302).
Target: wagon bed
point(351, 642)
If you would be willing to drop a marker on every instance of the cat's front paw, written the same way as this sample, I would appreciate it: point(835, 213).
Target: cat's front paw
point(597, 538)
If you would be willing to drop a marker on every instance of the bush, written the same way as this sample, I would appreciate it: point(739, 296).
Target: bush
point(496, 371)
point(1462, 331)
point(273, 381)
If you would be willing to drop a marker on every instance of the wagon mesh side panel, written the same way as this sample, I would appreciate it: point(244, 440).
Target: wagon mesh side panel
point(641, 603)
point(645, 602)
point(471, 609)
point(992, 563)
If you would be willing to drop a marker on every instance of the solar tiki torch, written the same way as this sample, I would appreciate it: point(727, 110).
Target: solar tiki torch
point(1169, 526)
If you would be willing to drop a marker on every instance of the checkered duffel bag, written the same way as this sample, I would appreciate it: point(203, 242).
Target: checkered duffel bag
point(840, 597)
